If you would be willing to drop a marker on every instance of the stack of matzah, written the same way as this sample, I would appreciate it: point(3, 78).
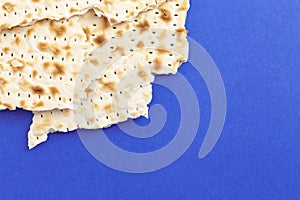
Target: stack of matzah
point(86, 64)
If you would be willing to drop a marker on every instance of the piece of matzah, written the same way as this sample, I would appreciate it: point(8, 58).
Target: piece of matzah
point(163, 26)
point(50, 53)
point(25, 12)
point(123, 92)
point(39, 64)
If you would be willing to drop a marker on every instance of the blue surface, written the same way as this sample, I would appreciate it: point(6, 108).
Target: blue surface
point(256, 46)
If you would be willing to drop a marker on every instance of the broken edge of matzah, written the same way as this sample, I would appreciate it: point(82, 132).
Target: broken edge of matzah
point(22, 13)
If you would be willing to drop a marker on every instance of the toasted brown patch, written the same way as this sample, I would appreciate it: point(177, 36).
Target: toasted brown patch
point(7, 105)
point(161, 51)
point(67, 47)
point(181, 30)
point(45, 47)
point(144, 25)
point(100, 39)
point(104, 22)
point(165, 15)
point(87, 32)
point(113, 20)
point(69, 54)
point(8, 7)
point(95, 62)
point(157, 64)
point(30, 31)
point(37, 90)
point(17, 41)
point(24, 21)
point(120, 49)
point(57, 68)
point(28, 16)
point(17, 65)
point(110, 86)
point(34, 74)
point(140, 44)
point(24, 85)
point(22, 103)
point(72, 10)
point(142, 74)
point(131, 13)
point(108, 108)
point(88, 90)
point(4, 26)
point(39, 104)
point(54, 90)
point(119, 32)
point(183, 6)
point(58, 30)
point(6, 50)
point(3, 83)
point(95, 105)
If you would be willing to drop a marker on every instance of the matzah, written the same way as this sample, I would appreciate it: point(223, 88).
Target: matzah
point(39, 64)
point(25, 12)
point(50, 53)
point(153, 25)
point(113, 98)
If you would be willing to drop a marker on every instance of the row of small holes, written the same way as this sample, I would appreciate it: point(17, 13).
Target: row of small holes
point(45, 8)
point(39, 96)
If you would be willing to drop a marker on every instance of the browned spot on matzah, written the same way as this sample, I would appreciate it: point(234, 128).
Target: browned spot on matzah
point(17, 65)
point(157, 64)
point(8, 7)
point(110, 86)
point(30, 31)
point(58, 30)
point(87, 32)
point(45, 47)
point(140, 44)
point(37, 90)
point(161, 51)
point(165, 15)
point(17, 41)
point(100, 39)
point(34, 74)
point(94, 62)
point(143, 25)
point(142, 74)
point(54, 90)
point(108, 108)
point(57, 68)
point(6, 50)
point(4, 26)
point(38, 104)
point(3, 83)
point(7, 105)
point(22, 103)
point(72, 10)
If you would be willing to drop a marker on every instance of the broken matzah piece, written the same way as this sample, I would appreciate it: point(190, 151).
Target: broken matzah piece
point(122, 92)
point(39, 64)
point(163, 59)
point(47, 50)
point(162, 28)
point(25, 12)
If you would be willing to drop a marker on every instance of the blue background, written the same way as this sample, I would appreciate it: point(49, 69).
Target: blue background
point(256, 46)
